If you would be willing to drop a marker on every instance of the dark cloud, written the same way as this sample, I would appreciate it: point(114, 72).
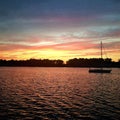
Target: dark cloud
point(45, 8)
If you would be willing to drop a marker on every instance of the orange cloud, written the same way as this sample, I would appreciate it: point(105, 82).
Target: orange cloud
point(58, 51)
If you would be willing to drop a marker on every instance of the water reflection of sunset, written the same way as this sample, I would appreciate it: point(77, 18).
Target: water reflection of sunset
point(58, 93)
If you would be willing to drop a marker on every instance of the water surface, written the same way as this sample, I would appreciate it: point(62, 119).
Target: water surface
point(58, 94)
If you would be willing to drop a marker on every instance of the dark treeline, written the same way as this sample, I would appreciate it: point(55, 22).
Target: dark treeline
point(92, 62)
point(75, 62)
point(33, 63)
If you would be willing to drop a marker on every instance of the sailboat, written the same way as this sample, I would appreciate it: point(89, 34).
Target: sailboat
point(101, 69)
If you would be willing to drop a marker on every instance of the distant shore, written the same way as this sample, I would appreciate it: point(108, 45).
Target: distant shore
point(75, 62)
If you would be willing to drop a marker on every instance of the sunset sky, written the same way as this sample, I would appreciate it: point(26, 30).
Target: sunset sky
point(59, 29)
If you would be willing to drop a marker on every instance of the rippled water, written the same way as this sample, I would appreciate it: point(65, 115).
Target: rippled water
point(58, 94)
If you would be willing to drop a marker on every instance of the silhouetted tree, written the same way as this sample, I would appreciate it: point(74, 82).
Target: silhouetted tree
point(75, 62)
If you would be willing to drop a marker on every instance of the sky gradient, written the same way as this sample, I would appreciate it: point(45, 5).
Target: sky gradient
point(59, 29)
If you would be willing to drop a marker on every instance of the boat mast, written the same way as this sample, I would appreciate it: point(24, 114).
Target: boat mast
point(101, 49)
point(101, 55)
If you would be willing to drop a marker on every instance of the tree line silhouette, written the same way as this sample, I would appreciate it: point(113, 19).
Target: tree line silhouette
point(75, 62)
point(32, 63)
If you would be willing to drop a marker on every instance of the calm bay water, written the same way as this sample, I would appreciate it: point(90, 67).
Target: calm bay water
point(29, 93)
